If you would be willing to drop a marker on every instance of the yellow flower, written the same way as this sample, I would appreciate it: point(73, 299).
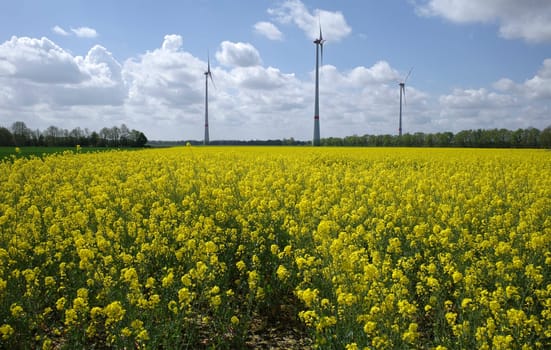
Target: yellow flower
point(143, 336)
point(451, 317)
point(173, 306)
point(6, 331)
point(80, 304)
point(210, 247)
point(126, 332)
point(47, 344)
point(369, 327)
point(184, 296)
point(411, 335)
point(309, 317)
point(516, 317)
point(282, 273)
point(215, 301)
point(234, 320)
point(71, 317)
point(457, 276)
point(241, 265)
point(168, 280)
point(253, 279)
point(114, 313)
point(17, 310)
point(308, 296)
point(351, 346)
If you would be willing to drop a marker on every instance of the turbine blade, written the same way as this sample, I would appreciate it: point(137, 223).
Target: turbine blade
point(208, 72)
point(407, 76)
point(404, 88)
point(212, 80)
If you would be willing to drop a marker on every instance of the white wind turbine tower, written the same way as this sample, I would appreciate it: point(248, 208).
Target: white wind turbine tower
point(208, 74)
point(403, 90)
point(319, 44)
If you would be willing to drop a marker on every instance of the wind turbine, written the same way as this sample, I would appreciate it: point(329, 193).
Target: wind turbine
point(403, 90)
point(208, 74)
point(319, 44)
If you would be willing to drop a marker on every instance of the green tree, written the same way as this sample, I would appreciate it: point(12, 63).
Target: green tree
point(545, 137)
point(6, 137)
point(21, 133)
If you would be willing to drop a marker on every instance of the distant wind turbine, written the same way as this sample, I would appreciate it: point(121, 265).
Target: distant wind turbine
point(403, 90)
point(208, 74)
point(319, 44)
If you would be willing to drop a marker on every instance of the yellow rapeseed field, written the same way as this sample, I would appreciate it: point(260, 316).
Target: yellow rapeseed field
point(190, 247)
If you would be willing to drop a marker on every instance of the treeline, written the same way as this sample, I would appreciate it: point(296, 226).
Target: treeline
point(117, 136)
point(480, 138)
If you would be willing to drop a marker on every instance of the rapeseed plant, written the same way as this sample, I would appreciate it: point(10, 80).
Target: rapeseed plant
point(370, 248)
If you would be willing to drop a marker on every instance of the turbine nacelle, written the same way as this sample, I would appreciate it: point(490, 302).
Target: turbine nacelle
point(208, 73)
point(402, 85)
point(319, 41)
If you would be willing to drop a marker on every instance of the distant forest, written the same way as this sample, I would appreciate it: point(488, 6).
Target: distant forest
point(492, 138)
point(120, 136)
point(117, 136)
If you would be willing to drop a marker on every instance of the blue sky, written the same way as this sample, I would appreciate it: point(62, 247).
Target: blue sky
point(102, 63)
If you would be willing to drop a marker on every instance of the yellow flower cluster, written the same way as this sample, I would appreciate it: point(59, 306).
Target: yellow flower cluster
point(373, 248)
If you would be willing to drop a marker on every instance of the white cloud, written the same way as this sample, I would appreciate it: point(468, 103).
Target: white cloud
point(81, 32)
point(60, 31)
point(260, 78)
point(513, 105)
point(172, 42)
point(333, 23)
point(39, 61)
point(476, 99)
point(528, 20)
point(43, 74)
point(504, 84)
point(269, 30)
point(161, 92)
point(85, 32)
point(238, 54)
point(165, 77)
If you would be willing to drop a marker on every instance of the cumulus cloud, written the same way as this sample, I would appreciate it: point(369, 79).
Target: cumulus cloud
point(381, 72)
point(333, 23)
point(528, 20)
point(172, 42)
point(60, 31)
point(81, 32)
point(510, 105)
point(167, 76)
point(39, 61)
point(261, 78)
point(39, 73)
point(161, 92)
point(539, 86)
point(269, 30)
point(238, 54)
point(504, 84)
point(476, 99)
point(85, 32)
